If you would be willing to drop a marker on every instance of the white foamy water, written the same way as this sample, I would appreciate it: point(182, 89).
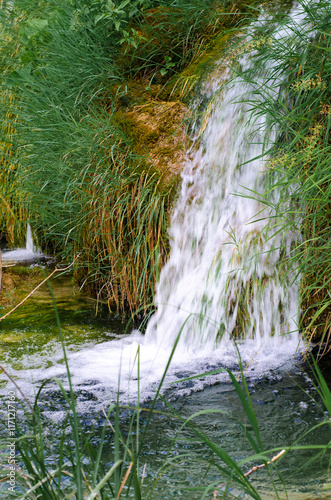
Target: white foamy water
point(225, 277)
point(30, 251)
point(104, 369)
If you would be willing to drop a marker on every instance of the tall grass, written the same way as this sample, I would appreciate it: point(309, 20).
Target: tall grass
point(12, 209)
point(85, 189)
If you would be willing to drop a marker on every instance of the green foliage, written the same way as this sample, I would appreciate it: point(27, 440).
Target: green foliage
point(170, 35)
point(12, 211)
point(84, 187)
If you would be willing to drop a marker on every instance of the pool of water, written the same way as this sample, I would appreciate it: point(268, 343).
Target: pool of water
point(285, 401)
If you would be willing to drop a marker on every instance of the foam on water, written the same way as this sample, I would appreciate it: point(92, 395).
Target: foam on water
point(101, 370)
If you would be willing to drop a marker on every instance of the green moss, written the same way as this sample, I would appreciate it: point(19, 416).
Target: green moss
point(24, 272)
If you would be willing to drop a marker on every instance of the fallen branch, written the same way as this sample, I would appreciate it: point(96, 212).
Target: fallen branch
point(56, 270)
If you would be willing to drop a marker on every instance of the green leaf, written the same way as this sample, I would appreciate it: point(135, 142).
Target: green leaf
point(20, 76)
point(99, 17)
point(35, 25)
point(103, 481)
point(124, 4)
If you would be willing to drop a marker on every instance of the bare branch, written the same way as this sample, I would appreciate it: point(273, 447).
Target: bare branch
point(253, 469)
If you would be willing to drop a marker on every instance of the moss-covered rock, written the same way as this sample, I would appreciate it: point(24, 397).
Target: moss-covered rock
point(157, 131)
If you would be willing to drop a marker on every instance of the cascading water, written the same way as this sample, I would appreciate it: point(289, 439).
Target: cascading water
point(223, 275)
point(228, 270)
point(29, 247)
point(28, 253)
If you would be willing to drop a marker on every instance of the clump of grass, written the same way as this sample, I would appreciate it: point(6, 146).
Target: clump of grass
point(85, 188)
point(12, 209)
point(167, 38)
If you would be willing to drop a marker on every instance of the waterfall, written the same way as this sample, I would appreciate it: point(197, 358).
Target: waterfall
point(29, 246)
point(226, 270)
point(28, 253)
point(229, 272)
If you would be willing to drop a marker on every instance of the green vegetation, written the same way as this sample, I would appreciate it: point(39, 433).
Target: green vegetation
point(82, 81)
point(77, 78)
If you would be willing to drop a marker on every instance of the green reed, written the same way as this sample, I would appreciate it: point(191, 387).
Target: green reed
point(12, 210)
point(85, 189)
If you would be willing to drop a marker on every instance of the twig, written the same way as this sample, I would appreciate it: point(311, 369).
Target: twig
point(124, 480)
point(253, 469)
point(56, 270)
point(143, 474)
